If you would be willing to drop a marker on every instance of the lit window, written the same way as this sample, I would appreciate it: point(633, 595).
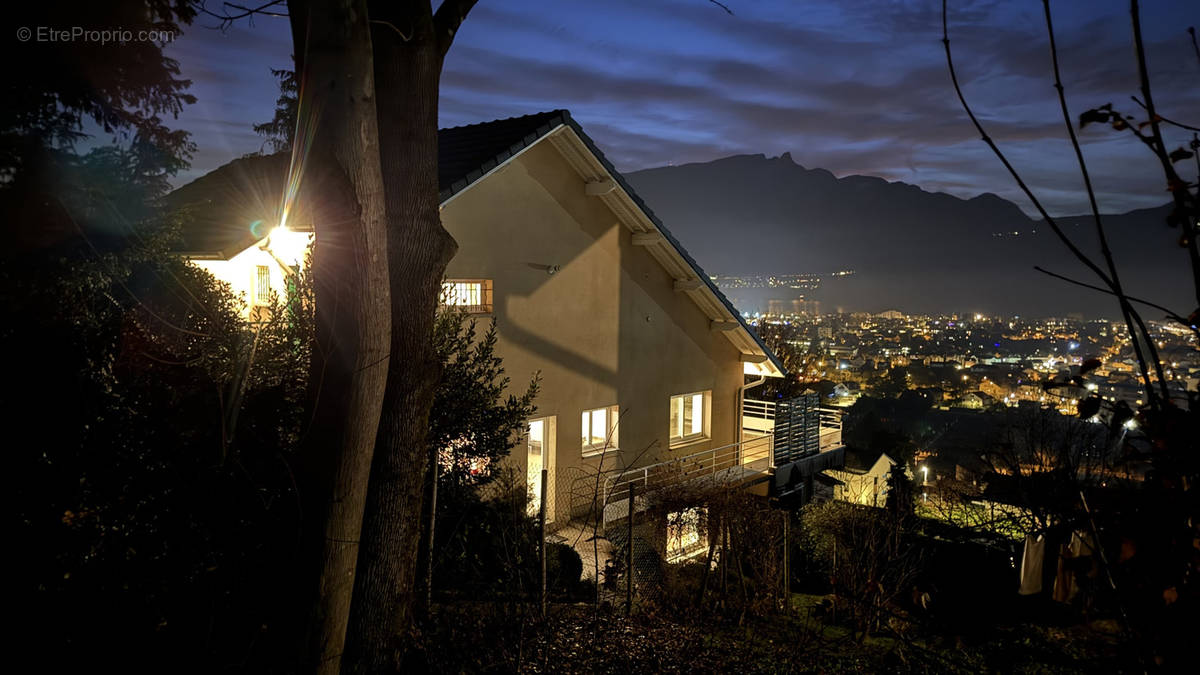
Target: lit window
point(472, 295)
point(262, 285)
point(685, 535)
point(689, 417)
point(599, 429)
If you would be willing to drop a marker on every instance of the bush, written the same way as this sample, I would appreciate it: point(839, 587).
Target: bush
point(564, 568)
point(158, 483)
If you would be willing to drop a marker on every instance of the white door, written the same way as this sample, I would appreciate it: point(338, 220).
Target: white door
point(540, 449)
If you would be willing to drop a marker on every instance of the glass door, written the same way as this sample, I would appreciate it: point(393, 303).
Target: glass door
point(540, 455)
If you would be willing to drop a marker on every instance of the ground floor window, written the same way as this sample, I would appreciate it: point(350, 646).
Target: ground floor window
point(599, 430)
point(262, 285)
point(689, 417)
point(686, 534)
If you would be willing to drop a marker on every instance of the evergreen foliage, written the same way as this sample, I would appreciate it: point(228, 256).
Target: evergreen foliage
point(280, 131)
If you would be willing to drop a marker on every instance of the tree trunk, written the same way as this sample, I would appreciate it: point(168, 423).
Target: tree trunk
point(407, 70)
point(343, 189)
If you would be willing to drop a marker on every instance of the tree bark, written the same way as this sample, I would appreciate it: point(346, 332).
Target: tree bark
point(343, 189)
point(408, 63)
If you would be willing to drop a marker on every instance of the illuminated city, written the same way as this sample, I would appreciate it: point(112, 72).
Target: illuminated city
point(358, 337)
point(975, 361)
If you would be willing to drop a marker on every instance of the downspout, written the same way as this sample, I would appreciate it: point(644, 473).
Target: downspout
point(739, 409)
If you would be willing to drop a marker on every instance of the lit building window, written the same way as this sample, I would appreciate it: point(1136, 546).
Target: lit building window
point(599, 429)
point(472, 295)
point(685, 534)
point(689, 417)
point(262, 285)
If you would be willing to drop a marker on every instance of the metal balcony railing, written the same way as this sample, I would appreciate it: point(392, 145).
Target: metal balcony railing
point(759, 417)
point(726, 465)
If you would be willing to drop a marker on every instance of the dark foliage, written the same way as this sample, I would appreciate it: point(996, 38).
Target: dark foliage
point(486, 543)
point(123, 88)
point(900, 491)
point(472, 424)
point(280, 131)
point(158, 433)
point(485, 537)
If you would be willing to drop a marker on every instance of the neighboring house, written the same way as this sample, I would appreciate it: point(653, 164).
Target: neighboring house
point(846, 393)
point(975, 400)
point(642, 360)
point(864, 477)
point(233, 216)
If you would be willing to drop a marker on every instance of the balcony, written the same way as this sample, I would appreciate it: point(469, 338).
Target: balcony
point(758, 419)
point(734, 465)
point(751, 461)
point(806, 440)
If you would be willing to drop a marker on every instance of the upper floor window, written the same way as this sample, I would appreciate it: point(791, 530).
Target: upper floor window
point(472, 295)
point(599, 430)
point(689, 417)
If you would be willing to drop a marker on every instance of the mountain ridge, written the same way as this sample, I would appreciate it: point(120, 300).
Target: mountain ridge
point(921, 250)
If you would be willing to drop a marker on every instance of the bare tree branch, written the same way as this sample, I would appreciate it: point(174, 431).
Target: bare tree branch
point(722, 6)
point(1181, 125)
point(1178, 192)
point(227, 18)
point(1169, 313)
point(1115, 283)
point(1080, 255)
point(263, 9)
point(391, 25)
point(1037, 204)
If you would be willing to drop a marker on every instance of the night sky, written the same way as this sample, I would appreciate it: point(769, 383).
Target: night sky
point(858, 86)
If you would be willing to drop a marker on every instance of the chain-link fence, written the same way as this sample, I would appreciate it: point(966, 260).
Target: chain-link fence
point(626, 545)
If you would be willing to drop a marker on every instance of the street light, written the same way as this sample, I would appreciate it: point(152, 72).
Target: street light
point(925, 471)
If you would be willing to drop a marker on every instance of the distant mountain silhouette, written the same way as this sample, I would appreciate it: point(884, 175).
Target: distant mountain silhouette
point(913, 250)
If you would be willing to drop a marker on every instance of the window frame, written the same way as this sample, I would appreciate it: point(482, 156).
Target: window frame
point(687, 537)
point(262, 292)
point(705, 433)
point(449, 291)
point(610, 435)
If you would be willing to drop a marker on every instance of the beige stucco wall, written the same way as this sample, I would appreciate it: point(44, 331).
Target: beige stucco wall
point(864, 488)
point(279, 253)
point(607, 329)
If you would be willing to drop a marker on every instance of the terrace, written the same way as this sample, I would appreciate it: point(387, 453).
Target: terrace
point(793, 438)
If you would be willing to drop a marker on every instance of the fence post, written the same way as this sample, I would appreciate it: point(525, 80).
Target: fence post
point(434, 472)
point(542, 546)
point(787, 569)
point(629, 556)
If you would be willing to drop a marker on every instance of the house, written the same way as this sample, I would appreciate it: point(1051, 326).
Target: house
point(643, 361)
point(232, 232)
point(846, 393)
point(974, 400)
point(863, 478)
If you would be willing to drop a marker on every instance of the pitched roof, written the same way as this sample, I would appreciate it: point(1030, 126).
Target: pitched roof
point(231, 204)
point(230, 208)
point(862, 460)
point(534, 128)
point(468, 153)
